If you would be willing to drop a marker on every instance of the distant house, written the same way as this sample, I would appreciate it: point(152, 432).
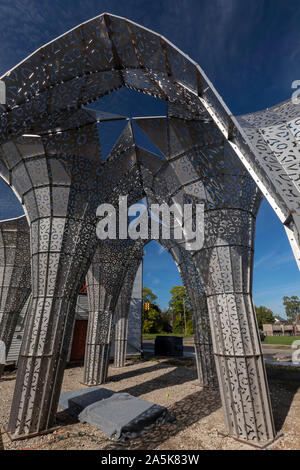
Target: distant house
point(280, 320)
point(281, 327)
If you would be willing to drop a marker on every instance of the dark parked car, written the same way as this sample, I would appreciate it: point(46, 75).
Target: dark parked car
point(168, 346)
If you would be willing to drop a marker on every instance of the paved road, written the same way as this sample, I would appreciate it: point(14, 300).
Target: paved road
point(270, 354)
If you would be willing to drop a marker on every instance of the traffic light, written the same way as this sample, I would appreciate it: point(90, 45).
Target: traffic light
point(147, 306)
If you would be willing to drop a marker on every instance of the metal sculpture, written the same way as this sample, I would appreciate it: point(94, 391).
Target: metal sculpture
point(14, 275)
point(208, 155)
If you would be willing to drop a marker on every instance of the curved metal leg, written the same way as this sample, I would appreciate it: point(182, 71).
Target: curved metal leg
point(122, 311)
point(104, 281)
point(225, 266)
point(61, 210)
point(14, 275)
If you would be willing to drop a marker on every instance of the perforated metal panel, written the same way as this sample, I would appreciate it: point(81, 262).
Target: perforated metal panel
point(14, 275)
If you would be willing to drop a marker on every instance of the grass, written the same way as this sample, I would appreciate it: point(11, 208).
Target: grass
point(153, 335)
point(280, 339)
point(285, 340)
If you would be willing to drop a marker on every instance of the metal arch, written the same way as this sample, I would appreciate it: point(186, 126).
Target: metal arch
point(156, 174)
point(102, 283)
point(14, 274)
point(208, 157)
point(95, 50)
point(97, 64)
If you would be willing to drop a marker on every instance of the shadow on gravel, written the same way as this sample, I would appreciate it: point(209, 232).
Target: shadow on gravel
point(135, 373)
point(283, 384)
point(187, 411)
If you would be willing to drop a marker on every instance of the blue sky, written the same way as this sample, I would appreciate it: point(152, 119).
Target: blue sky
point(249, 49)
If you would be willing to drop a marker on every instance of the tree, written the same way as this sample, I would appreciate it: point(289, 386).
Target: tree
point(264, 316)
point(154, 321)
point(148, 295)
point(190, 327)
point(181, 309)
point(178, 325)
point(149, 298)
point(292, 307)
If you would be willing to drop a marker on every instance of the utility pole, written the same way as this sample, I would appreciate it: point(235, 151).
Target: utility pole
point(184, 317)
point(173, 318)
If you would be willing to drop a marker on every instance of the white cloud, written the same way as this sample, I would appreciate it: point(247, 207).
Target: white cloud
point(271, 297)
point(274, 259)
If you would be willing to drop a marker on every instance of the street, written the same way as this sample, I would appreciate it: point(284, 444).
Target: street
point(270, 352)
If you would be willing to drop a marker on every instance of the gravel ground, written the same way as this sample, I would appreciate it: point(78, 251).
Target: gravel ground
point(172, 383)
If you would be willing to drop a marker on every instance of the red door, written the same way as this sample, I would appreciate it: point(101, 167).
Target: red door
point(79, 338)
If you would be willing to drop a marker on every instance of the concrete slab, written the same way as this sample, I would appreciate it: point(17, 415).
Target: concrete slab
point(75, 401)
point(123, 416)
point(119, 415)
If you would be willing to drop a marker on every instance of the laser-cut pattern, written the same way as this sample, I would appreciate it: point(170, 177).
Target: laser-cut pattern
point(122, 311)
point(14, 275)
point(112, 263)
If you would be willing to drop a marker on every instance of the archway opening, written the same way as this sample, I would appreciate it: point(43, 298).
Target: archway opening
point(10, 206)
point(161, 279)
point(275, 274)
